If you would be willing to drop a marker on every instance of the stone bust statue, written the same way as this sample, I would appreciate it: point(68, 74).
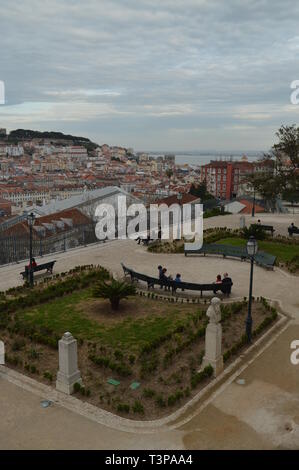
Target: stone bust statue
point(214, 312)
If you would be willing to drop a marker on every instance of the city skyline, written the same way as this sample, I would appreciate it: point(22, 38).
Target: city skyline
point(184, 76)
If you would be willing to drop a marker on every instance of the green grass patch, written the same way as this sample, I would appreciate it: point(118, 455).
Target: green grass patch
point(284, 253)
point(129, 334)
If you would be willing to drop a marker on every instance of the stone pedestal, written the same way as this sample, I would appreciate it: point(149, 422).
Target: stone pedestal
point(213, 354)
point(213, 339)
point(2, 353)
point(242, 221)
point(68, 373)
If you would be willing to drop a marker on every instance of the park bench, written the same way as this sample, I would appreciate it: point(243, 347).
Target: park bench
point(40, 267)
point(173, 285)
point(266, 228)
point(293, 231)
point(261, 258)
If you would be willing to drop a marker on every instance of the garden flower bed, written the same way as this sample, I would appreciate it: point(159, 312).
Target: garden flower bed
point(142, 361)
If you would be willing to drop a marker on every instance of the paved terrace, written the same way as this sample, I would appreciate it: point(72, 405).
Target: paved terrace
point(277, 284)
point(267, 412)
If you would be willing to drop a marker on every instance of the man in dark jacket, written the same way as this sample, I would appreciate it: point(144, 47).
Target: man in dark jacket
point(226, 284)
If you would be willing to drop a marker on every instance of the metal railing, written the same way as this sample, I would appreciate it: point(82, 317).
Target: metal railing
point(16, 248)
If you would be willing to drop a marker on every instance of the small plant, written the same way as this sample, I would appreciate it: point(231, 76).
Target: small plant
point(132, 359)
point(200, 376)
point(114, 290)
point(118, 355)
point(18, 344)
point(34, 354)
point(138, 407)
point(149, 393)
point(48, 376)
point(160, 401)
point(33, 369)
point(254, 230)
point(77, 387)
point(123, 408)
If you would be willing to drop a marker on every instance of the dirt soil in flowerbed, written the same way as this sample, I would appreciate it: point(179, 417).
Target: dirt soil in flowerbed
point(155, 343)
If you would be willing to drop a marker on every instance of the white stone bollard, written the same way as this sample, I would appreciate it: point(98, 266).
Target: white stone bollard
point(213, 346)
point(242, 221)
point(68, 373)
point(2, 353)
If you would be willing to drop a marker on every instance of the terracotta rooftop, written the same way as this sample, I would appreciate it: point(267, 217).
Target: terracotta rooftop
point(186, 198)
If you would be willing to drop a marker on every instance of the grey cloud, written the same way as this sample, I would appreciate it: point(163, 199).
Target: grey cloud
point(165, 64)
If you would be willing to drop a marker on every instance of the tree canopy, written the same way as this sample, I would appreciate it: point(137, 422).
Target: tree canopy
point(284, 181)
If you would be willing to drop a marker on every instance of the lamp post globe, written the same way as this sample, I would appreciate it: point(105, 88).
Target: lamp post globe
point(252, 246)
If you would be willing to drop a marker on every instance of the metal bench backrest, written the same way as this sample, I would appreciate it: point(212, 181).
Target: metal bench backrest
point(261, 258)
point(172, 283)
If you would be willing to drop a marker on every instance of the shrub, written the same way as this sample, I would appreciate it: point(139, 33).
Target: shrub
point(33, 369)
point(160, 401)
point(33, 354)
point(132, 359)
point(201, 376)
point(114, 290)
point(18, 344)
point(149, 393)
point(172, 399)
point(77, 387)
point(118, 354)
point(14, 360)
point(138, 407)
point(121, 369)
point(48, 375)
point(123, 408)
point(149, 365)
point(254, 230)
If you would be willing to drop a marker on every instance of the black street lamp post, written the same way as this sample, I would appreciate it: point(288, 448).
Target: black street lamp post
point(30, 219)
point(253, 204)
point(252, 248)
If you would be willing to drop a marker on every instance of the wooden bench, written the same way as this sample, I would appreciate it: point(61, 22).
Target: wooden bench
point(173, 285)
point(40, 267)
point(293, 231)
point(261, 258)
point(266, 228)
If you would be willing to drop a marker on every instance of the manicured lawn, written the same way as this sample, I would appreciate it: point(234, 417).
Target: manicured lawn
point(121, 330)
point(283, 252)
point(61, 315)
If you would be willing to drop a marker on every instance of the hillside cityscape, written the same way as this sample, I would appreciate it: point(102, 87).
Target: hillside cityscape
point(37, 170)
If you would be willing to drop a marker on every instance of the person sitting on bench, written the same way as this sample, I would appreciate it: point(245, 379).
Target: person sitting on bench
point(292, 228)
point(33, 264)
point(226, 284)
point(165, 278)
point(218, 281)
point(160, 269)
point(178, 281)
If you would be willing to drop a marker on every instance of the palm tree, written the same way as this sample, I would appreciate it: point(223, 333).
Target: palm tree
point(114, 291)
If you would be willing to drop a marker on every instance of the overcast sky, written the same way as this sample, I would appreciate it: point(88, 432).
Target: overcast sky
point(151, 74)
